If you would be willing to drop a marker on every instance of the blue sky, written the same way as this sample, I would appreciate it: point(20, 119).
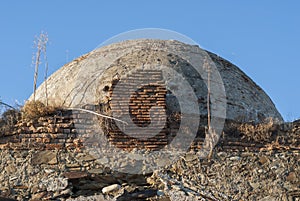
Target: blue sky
point(260, 36)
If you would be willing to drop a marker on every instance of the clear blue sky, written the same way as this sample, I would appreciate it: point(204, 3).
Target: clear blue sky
point(262, 37)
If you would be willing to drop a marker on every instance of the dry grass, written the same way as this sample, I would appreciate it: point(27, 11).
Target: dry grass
point(257, 132)
point(32, 110)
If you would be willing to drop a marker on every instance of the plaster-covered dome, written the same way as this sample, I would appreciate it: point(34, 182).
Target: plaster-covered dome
point(90, 78)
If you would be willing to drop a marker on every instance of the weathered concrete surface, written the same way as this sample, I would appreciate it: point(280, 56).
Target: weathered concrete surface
point(87, 79)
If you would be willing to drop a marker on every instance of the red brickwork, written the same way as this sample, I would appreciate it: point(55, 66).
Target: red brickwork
point(151, 94)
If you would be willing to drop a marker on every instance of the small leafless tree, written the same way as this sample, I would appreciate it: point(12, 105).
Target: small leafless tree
point(40, 43)
point(46, 76)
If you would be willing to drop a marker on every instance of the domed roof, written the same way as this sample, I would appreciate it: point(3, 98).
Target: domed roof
point(90, 79)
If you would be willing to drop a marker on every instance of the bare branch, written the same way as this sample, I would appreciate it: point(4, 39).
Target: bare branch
point(101, 115)
point(5, 104)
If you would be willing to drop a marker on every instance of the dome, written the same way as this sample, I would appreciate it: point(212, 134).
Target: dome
point(92, 78)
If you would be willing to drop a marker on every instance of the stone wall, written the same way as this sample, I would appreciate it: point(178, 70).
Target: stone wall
point(269, 173)
point(74, 129)
point(71, 129)
point(51, 132)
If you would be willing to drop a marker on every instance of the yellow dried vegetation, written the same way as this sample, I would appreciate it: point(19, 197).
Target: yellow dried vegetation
point(32, 110)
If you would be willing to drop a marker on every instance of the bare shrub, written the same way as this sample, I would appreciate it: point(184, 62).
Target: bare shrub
point(8, 121)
